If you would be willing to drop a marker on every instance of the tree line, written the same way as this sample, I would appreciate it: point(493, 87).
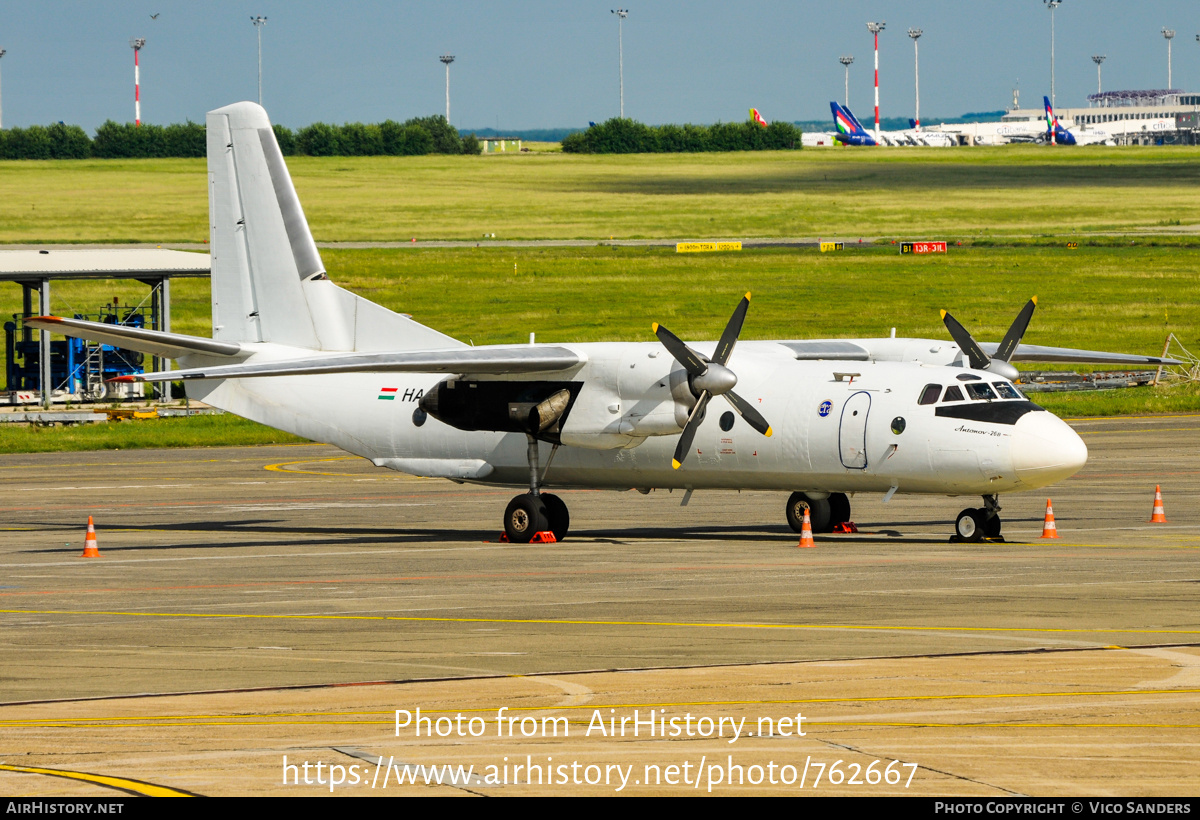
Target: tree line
point(420, 135)
point(624, 136)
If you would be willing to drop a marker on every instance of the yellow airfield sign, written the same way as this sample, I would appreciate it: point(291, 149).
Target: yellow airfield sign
point(706, 247)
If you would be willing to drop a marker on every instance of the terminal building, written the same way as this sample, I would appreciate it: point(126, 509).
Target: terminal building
point(1153, 117)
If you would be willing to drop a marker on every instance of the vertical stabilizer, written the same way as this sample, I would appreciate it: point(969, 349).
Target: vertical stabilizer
point(268, 280)
point(261, 247)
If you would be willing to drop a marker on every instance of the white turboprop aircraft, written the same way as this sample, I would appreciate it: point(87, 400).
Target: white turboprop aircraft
point(293, 350)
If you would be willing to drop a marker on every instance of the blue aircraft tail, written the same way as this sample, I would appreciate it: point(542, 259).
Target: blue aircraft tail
point(849, 129)
point(1055, 133)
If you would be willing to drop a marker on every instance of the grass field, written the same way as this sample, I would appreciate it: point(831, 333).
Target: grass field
point(1013, 190)
point(1112, 297)
point(1127, 285)
point(197, 431)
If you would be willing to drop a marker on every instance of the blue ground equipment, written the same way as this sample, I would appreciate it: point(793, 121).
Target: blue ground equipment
point(79, 367)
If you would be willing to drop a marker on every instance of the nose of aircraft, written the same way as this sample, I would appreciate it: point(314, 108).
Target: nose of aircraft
point(1045, 449)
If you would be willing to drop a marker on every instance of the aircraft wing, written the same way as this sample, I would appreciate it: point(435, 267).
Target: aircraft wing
point(1040, 353)
point(497, 360)
point(154, 342)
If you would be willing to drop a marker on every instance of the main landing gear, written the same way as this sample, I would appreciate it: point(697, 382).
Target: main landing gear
point(823, 513)
point(535, 511)
point(979, 523)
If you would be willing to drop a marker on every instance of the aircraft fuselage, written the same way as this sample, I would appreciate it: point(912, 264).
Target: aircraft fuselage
point(853, 426)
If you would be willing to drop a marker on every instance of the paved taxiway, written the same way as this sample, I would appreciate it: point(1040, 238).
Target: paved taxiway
point(260, 568)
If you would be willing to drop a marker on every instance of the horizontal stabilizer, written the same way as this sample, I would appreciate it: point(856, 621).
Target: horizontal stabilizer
point(1067, 355)
point(471, 360)
point(153, 342)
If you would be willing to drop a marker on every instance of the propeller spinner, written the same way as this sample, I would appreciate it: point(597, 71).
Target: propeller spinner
point(710, 377)
point(998, 364)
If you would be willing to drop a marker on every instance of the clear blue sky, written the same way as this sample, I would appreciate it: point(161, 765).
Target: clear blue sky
point(535, 64)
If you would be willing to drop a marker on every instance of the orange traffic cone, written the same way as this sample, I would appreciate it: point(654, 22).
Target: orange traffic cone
point(90, 550)
point(806, 539)
point(1159, 516)
point(1048, 528)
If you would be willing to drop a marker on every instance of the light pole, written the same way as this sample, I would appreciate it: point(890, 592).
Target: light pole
point(1052, 5)
point(3, 52)
point(136, 43)
point(447, 59)
point(259, 21)
point(1168, 33)
point(1098, 59)
point(875, 28)
point(847, 60)
point(915, 34)
point(621, 15)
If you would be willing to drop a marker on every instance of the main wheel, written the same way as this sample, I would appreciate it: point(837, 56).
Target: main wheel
point(839, 509)
point(525, 515)
point(970, 525)
point(818, 513)
point(557, 515)
point(991, 527)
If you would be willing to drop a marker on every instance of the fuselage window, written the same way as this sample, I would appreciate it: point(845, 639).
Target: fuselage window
point(980, 391)
point(953, 394)
point(930, 394)
point(1006, 390)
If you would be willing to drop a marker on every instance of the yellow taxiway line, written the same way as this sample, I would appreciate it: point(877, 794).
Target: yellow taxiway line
point(137, 787)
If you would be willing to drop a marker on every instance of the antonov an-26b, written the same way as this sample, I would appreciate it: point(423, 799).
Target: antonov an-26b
point(820, 419)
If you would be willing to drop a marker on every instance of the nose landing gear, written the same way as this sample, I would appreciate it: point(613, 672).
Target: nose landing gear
point(979, 524)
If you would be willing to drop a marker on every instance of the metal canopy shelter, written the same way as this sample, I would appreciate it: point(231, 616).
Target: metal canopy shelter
point(153, 267)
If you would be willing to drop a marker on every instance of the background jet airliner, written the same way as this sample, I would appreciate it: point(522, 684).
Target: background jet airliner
point(1057, 135)
point(851, 132)
point(822, 419)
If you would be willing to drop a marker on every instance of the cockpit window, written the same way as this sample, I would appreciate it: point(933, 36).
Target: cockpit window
point(980, 391)
point(1006, 390)
point(930, 394)
point(952, 394)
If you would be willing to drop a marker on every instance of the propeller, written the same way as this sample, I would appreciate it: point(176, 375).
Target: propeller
point(999, 363)
point(710, 377)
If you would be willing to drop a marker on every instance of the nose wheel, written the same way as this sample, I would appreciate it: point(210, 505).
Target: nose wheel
point(979, 523)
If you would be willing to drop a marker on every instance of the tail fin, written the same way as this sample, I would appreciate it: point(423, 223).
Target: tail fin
point(757, 117)
point(268, 280)
point(1051, 120)
point(845, 121)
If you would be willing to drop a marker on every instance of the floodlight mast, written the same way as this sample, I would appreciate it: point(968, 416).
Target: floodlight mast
point(915, 34)
point(621, 15)
point(875, 28)
point(136, 43)
point(447, 59)
point(1169, 34)
point(1052, 5)
point(3, 52)
point(846, 61)
point(259, 21)
point(1098, 59)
